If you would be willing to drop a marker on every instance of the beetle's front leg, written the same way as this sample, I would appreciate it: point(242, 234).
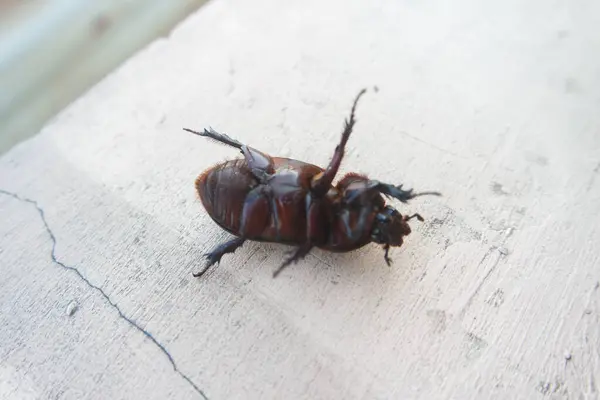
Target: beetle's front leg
point(259, 163)
point(214, 257)
point(397, 192)
point(415, 215)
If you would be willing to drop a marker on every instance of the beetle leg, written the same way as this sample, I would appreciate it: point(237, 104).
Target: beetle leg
point(219, 137)
point(351, 194)
point(398, 193)
point(386, 257)
point(321, 182)
point(214, 257)
point(298, 255)
point(260, 164)
point(415, 215)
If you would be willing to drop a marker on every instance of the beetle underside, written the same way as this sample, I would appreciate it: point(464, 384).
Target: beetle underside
point(298, 200)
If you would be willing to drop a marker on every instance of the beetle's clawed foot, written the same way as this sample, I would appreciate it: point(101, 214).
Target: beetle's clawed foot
point(386, 256)
point(397, 192)
point(388, 260)
point(199, 274)
point(404, 195)
point(400, 194)
point(282, 266)
point(212, 259)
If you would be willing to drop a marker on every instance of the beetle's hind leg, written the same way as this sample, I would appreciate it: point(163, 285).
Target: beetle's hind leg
point(259, 163)
point(214, 257)
point(219, 137)
point(400, 194)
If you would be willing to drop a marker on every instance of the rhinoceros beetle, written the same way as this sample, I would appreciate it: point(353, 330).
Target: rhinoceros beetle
point(275, 199)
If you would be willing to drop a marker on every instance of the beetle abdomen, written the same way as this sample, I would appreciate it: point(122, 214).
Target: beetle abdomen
point(223, 190)
point(273, 211)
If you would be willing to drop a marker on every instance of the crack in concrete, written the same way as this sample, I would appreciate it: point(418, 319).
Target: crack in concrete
point(101, 291)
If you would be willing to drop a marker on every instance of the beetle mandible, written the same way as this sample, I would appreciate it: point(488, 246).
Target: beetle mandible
point(275, 199)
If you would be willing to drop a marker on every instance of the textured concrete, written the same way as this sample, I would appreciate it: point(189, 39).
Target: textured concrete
point(496, 295)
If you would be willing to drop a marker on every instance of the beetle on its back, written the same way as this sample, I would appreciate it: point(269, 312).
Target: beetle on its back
point(274, 199)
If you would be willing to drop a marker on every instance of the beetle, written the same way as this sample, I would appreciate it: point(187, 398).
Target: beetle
point(276, 199)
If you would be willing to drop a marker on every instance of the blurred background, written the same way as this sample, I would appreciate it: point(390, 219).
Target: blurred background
point(52, 51)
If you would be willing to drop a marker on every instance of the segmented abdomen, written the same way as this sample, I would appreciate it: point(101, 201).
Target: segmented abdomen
point(223, 190)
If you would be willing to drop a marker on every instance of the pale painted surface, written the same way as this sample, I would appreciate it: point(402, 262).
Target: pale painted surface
point(52, 51)
point(496, 295)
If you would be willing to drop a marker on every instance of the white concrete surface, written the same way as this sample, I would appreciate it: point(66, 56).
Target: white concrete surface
point(496, 295)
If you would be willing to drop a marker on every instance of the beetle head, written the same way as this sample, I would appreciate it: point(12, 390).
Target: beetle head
point(390, 227)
